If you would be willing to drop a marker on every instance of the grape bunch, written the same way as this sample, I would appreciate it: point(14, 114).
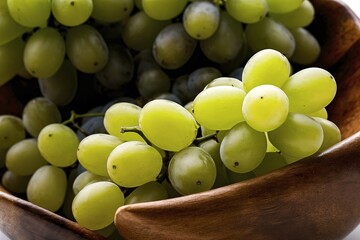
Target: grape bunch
point(197, 95)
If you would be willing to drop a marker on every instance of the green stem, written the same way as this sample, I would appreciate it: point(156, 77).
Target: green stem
point(137, 130)
point(199, 140)
point(75, 116)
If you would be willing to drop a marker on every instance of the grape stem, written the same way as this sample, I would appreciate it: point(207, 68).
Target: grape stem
point(74, 116)
point(199, 140)
point(137, 130)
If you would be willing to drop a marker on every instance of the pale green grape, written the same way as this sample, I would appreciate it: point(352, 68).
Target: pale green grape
point(219, 108)
point(200, 77)
point(14, 183)
point(229, 34)
point(86, 48)
point(192, 170)
point(58, 144)
point(61, 87)
point(300, 17)
point(299, 136)
point(120, 115)
point(11, 131)
point(213, 148)
point(201, 19)
point(265, 107)
point(30, 13)
point(11, 58)
point(173, 47)
point(43, 43)
point(163, 9)
point(235, 177)
point(84, 179)
point(243, 148)
point(47, 187)
point(168, 125)
point(267, 66)
point(267, 33)
point(71, 12)
point(94, 150)
point(307, 49)
point(322, 113)
point(271, 162)
point(280, 6)
point(225, 81)
point(38, 113)
point(247, 11)
point(151, 191)
point(139, 31)
point(332, 133)
point(24, 158)
point(310, 90)
point(95, 205)
point(9, 29)
point(134, 163)
point(111, 11)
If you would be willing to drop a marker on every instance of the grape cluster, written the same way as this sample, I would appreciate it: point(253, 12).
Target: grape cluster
point(214, 99)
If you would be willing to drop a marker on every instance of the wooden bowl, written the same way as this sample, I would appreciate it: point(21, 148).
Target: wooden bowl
point(315, 198)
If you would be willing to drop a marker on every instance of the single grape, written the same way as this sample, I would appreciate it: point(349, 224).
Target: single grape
point(134, 163)
point(110, 11)
point(332, 133)
point(247, 11)
point(94, 150)
point(84, 179)
point(30, 13)
point(47, 187)
point(167, 125)
point(322, 113)
point(243, 148)
point(302, 89)
point(11, 131)
point(169, 8)
point(265, 107)
point(95, 205)
point(192, 170)
point(271, 162)
point(58, 144)
point(279, 6)
point(14, 183)
point(151, 191)
point(71, 12)
point(219, 108)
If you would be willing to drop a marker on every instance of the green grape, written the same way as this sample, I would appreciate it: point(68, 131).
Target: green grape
point(235, 177)
point(134, 163)
point(200, 77)
point(332, 133)
point(43, 43)
point(265, 107)
point(302, 89)
point(280, 6)
point(95, 205)
point(290, 159)
point(151, 191)
point(201, 19)
point(173, 47)
point(243, 148)
point(229, 34)
point(11, 131)
point(271, 162)
point(69, 195)
point(60, 88)
point(24, 158)
point(139, 31)
point(322, 113)
point(38, 113)
point(86, 48)
point(247, 11)
point(299, 136)
point(120, 115)
point(163, 9)
point(71, 12)
point(307, 49)
point(300, 17)
point(110, 11)
point(30, 13)
point(168, 125)
point(58, 144)
point(213, 148)
point(225, 81)
point(84, 179)
point(47, 188)
point(267, 66)
point(14, 183)
point(267, 33)
point(11, 58)
point(9, 29)
point(219, 108)
point(192, 170)
point(94, 150)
